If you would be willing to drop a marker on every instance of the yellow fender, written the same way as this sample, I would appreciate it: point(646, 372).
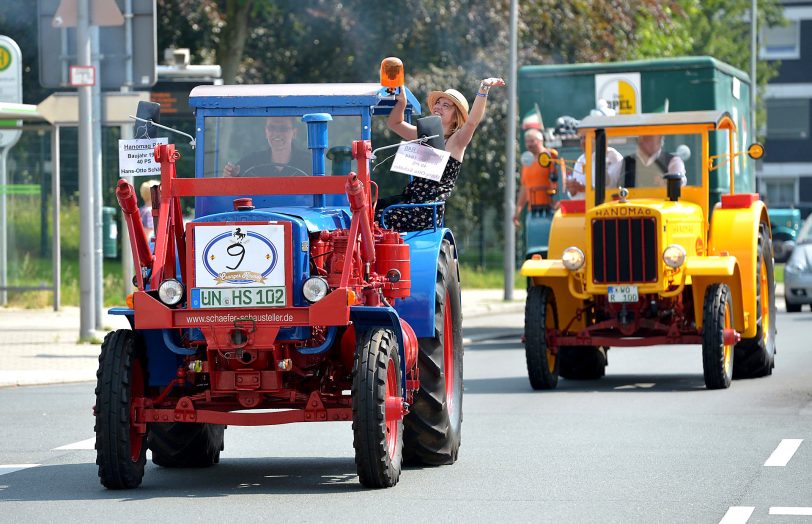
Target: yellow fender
point(705, 271)
point(567, 230)
point(734, 234)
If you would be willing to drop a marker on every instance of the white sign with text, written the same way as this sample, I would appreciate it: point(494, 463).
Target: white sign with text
point(420, 161)
point(136, 157)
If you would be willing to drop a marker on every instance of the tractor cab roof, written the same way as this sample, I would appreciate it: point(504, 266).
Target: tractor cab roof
point(715, 119)
point(332, 98)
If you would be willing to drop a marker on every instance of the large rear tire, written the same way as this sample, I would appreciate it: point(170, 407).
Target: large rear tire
point(120, 381)
point(186, 445)
point(432, 429)
point(582, 362)
point(540, 314)
point(717, 357)
point(377, 423)
point(755, 357)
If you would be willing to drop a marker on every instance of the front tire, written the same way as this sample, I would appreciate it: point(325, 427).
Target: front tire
point(717, 357)
point(432, 429)
point(540, 315)
point(185, 444)
point(755, 357)
point(120, 383)
point(377, 423)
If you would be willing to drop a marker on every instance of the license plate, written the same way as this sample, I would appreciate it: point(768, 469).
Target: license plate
point(623, 294)
point(207, 297)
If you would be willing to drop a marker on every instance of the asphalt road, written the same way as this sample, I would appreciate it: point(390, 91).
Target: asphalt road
point(647, 443)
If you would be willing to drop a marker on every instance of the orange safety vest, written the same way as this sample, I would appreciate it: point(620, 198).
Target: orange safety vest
point(536, 180)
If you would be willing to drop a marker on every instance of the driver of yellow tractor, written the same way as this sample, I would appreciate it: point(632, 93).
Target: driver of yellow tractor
point(536, 189)
point(648, 165)
point(576, 181)
point(281, 158)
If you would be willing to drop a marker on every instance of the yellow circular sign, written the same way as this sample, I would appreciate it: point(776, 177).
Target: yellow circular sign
point(5, 58)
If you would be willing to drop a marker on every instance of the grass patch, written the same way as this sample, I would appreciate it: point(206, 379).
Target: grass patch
point(778, 271)
point(474, 277)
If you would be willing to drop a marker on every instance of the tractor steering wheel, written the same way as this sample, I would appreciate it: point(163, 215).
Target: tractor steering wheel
point(284, 167)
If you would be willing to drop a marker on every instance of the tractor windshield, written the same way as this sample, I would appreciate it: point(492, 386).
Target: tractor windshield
point(642, 161)
point(274, 146)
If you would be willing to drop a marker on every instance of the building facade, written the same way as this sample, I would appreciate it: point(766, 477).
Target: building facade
point(785, 178)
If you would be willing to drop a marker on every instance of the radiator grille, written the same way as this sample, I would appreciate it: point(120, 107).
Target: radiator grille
point(624, 250)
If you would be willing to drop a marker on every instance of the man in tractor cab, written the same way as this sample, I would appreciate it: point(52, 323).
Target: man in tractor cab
point(576, 182)
point(648, 165)
point(281, 158)
point(538, 184)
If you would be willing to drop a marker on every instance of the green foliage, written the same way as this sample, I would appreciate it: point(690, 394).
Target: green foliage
point(473, 277)
point(443, 43)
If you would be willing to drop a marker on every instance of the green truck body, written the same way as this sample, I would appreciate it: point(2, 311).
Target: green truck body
point(645, 86)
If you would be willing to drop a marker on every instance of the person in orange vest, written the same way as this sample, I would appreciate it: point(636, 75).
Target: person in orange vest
point(538, 184)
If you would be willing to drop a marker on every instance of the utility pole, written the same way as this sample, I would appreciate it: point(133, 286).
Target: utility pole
point(98, 248)
point(753, 57)
point(510, 166)
point(87, 320)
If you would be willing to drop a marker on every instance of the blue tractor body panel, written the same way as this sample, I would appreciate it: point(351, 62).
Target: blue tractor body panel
point(537, 231)
point(302, 211)
point(424, 250)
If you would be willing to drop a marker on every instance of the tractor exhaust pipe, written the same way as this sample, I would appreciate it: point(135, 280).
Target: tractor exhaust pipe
point(125, 193)
point(359, 205)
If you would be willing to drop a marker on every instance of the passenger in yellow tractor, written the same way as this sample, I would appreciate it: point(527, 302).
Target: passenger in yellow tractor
point(577, 180)
point(648, 165)
point(281, 158)
point(458, 129)
point(536, 187)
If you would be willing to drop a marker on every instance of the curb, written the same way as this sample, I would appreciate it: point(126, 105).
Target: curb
point(516, 333)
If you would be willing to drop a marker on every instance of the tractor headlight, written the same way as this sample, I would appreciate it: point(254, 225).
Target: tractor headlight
point(573, 258)
point(315, 289)
point(674, 256)
point(170, 292)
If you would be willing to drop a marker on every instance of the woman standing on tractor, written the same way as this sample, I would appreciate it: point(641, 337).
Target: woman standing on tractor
point(458, 130)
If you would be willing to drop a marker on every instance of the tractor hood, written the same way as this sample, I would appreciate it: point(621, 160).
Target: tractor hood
point(312, 219)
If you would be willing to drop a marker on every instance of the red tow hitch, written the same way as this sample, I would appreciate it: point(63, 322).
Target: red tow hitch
point(731, 337)
point(396, 409)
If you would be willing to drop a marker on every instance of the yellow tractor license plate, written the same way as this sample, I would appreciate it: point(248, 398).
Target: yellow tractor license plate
point(623, 293)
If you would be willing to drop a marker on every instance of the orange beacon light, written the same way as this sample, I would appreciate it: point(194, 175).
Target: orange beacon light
point(392, 73)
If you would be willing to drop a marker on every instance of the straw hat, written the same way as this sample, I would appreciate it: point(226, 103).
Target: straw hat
point(455, 96)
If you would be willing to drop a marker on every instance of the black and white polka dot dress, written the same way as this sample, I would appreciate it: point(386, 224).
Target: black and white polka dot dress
point(419, 191)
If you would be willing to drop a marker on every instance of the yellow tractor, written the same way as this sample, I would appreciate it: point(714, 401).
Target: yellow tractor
point(648, 258)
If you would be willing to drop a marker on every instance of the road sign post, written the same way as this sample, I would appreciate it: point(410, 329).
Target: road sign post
point(11, 91)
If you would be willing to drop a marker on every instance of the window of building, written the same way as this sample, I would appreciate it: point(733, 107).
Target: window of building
point(782, 42)
point(779, 192)
point(788, 118)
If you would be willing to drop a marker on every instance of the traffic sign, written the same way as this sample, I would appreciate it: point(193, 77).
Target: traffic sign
point(11, 87)
point(123, 61)
point(82, 76)
point(63, 108)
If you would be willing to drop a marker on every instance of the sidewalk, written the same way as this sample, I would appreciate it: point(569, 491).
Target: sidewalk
point(39, 346)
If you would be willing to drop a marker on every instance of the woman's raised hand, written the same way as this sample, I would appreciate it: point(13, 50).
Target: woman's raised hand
point(492, 82)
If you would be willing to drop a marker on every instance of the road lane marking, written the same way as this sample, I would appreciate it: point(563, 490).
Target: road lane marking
point(779, 510)
point(784, 452)
point(737, 515)
point(82, 444)
point(11, 468)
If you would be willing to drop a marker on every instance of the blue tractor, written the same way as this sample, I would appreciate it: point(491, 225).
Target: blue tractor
point(282, 300)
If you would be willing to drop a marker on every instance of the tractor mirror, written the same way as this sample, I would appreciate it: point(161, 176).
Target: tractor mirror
point(755, 151)
point(431, 126)
point(147, 111)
